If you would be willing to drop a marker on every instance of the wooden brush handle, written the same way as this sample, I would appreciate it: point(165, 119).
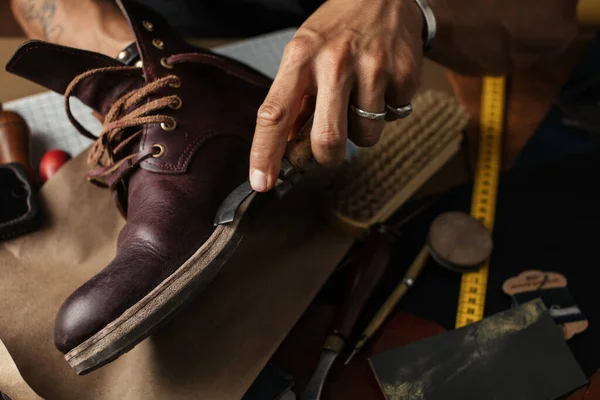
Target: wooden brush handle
point(298, 151)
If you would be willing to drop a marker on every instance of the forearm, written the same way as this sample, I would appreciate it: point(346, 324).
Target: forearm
point(496, 37)
point(96, 25)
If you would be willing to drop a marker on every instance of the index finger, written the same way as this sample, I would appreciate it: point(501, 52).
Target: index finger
point(275, 119)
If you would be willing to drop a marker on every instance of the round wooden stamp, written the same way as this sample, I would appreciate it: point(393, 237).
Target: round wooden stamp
point(459, 242)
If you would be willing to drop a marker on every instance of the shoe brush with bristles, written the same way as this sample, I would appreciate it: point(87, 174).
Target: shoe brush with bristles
point(379, 180)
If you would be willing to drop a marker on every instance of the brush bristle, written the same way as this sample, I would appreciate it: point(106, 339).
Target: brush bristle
point(373, 186)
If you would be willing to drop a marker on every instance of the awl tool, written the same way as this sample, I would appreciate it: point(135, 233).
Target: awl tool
point(298, 158)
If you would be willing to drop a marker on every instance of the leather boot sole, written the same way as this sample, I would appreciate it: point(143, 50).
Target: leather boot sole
point(140, 320)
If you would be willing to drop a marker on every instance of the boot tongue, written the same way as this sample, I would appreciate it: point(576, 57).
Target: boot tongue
point(54, 67)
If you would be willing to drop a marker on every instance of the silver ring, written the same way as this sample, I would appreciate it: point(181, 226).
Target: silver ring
point(367, 114)
point(400, 112)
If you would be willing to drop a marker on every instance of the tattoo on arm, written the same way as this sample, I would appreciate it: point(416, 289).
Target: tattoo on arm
point(43, 13)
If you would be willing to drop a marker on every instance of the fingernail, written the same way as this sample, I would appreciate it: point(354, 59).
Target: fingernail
point(258, 180)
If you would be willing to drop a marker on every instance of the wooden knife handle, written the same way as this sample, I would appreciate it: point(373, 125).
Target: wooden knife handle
point(14, 139)
point(368, 267)
point(298, 151)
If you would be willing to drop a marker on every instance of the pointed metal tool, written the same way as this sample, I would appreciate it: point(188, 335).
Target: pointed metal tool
point(315, 385)
point(297, 159)
point(227, 209)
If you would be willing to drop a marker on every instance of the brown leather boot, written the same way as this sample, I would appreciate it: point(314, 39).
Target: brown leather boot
point(175, 142)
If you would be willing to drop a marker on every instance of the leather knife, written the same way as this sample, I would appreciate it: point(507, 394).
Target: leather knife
point(297, 159)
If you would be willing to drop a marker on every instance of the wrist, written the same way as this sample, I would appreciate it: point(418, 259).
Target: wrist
point(113, 29)
point(413, 22)
point(85, 24)
point(100, 27)
point(444, 47)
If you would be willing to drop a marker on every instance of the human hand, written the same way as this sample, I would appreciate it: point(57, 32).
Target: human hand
point(363, 52)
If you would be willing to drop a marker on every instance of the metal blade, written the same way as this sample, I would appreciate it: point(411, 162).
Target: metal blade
point(315, 385)
point(351, 356)
point(228, 208)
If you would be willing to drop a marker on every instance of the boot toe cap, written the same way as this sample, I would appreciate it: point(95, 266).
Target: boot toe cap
point(128, 278)
point(79, 318)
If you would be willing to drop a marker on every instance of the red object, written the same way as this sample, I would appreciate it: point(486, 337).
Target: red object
point(51, 162)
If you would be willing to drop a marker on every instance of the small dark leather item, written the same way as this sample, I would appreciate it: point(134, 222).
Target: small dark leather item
point(129, 55)
point(175, 142)
point(19, 209)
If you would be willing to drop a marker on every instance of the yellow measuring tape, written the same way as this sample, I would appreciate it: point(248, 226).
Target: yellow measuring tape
point(471, 300)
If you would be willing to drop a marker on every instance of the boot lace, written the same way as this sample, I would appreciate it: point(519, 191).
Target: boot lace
point(129, 111)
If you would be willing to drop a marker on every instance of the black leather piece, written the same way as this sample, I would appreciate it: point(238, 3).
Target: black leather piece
point(19, 208)
point(518, 354)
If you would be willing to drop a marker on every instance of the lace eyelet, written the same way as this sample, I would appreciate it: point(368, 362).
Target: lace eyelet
point(148, 26)
point(164, 63)
point(169, 127)
point(160, 150)
point(159, 44)
point(176, 83)
point(139, 64)
point(176, 103)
